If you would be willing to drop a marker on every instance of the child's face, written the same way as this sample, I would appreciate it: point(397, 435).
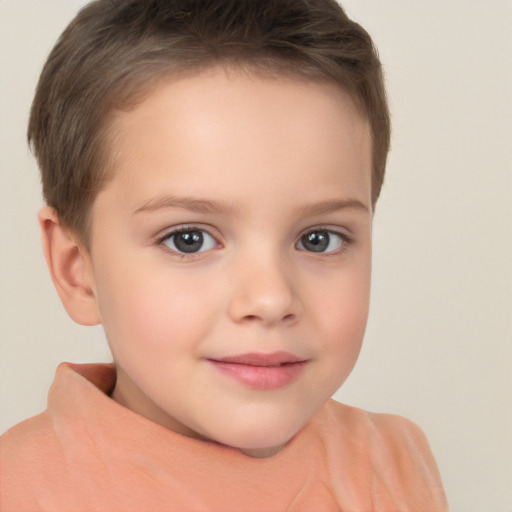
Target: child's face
point(238, 222)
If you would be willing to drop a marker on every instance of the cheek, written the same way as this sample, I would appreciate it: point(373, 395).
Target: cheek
point(342, 312)
point(155, 311)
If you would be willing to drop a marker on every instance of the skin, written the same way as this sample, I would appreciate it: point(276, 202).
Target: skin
point(268, 150)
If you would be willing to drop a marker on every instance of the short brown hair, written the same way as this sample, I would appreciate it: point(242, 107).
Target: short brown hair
point(114, 50)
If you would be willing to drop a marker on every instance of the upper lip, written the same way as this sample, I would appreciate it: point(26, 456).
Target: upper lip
point(262, 359)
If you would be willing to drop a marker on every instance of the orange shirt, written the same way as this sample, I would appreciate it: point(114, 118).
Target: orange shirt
point(86, 453)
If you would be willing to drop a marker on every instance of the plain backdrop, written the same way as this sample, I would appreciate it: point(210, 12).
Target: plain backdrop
point(438, 347)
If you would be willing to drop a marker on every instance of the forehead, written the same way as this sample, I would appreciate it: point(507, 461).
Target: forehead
point(197, 126)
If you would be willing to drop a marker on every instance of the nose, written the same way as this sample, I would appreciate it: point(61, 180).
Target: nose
point(264, 292)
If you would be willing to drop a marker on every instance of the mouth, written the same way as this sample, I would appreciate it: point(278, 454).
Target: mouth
point(261, 371)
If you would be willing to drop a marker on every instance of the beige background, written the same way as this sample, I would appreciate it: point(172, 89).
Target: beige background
point(438, 348)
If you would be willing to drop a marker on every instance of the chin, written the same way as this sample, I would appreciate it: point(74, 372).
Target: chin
point(260, 438)
point(263, 444)
point(262, 453)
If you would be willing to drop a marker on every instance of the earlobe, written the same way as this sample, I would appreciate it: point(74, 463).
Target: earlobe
point(70, 269)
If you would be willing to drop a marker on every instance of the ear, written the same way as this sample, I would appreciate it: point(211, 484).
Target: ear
point(70, 267)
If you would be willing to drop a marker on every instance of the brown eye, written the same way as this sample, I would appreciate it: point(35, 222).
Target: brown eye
point(189, 241)
point(320, 241)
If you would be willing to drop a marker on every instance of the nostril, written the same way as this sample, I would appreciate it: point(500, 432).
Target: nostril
point(252, 318)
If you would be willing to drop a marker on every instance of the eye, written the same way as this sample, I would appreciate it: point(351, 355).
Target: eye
point(189, 241)
point(321, 240)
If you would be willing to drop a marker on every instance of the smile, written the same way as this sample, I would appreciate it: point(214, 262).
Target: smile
point(261, 371)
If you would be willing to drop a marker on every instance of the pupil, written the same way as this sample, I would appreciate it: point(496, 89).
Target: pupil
point(190, 241)
point(317, 241)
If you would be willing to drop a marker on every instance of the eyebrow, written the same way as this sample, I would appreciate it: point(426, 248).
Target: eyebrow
point(210, 206)
point(333, 206)
point(193, 204)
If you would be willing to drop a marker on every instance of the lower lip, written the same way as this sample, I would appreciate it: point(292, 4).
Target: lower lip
point(261, 377)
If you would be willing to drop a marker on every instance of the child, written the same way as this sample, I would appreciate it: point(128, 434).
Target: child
point(211, 169)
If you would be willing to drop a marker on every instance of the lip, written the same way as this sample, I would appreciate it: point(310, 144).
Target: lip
point(261, 371)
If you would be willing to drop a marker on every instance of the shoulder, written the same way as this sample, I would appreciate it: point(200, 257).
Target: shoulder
point(28, 451)
point(384, 433)
point(23, 437)
point(393, 451)
point(390, 427)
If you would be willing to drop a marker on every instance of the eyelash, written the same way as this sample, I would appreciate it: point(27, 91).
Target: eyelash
point(183, 229)
point(346, 241)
